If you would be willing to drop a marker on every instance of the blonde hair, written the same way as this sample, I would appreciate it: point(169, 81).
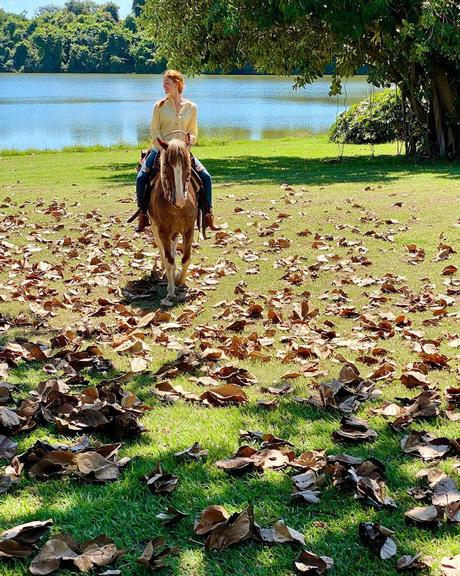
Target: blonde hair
point(177, 78)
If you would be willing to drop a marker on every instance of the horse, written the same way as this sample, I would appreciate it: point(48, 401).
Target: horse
point(173, 211)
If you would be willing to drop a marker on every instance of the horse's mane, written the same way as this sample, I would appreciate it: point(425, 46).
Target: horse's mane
point(176, 152)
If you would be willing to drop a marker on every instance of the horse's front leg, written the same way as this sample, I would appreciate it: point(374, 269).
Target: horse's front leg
point(174, 242)
point(169, 254)
point(156, 237)
point(187, 241)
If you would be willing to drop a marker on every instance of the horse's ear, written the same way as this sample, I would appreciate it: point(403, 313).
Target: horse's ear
point(162, 143)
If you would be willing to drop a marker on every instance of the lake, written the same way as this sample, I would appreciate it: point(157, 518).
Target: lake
point(57, 110)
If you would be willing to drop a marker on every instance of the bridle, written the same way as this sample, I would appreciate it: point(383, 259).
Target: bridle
point(170, 191)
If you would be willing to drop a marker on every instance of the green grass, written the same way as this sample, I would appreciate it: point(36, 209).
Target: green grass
point(360, 192)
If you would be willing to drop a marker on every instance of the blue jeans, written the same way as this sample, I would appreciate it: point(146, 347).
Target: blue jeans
point(143, 179)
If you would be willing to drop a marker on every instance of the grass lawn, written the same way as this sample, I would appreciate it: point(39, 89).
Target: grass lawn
point(358, 216)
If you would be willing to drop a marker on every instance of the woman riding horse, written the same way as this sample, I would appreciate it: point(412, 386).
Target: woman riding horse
point(171, 115)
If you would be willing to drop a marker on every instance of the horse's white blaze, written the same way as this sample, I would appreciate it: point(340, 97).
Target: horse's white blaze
point(180, 197)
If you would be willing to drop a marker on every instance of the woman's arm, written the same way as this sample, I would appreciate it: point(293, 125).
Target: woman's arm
point(192, 127)
point(155, 123)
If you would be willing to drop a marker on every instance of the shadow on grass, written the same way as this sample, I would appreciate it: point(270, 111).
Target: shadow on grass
point(147, 292)
point(126, 511)
point(298, 170)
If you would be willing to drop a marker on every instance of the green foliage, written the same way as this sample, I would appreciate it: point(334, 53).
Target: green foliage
point(137, 7)
point(81, 37)
point(376, 120)
point(78, 7)
point(49, 43)
point(111, 9)
point(413, 44)
point(47, 9)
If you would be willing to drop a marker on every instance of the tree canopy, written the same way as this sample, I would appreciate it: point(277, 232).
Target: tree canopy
point(413, 44)
point(81, 37)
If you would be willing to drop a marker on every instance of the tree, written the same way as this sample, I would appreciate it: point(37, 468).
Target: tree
point(137, 7)
point(143, 54)
point(47, 9)
point(21, 55)
point(414, 44)
point(26, 58)
point(130, 23)
point(49, 42)
point(81, 37)
point(111, 9)
point(78, 7)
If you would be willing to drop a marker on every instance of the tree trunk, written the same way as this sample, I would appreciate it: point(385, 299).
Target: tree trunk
point(436, 126)
point(433, 103)
point(409, 140)
point(445, 114)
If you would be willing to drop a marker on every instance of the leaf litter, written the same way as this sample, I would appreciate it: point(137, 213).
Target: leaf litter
point(303, 342)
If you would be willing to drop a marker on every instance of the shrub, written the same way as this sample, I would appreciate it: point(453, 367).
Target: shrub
point(376, 120)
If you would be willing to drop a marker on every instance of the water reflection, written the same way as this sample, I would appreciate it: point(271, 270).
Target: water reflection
point(57, 110)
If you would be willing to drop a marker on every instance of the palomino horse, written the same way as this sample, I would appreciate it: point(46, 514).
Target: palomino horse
point(173, 210)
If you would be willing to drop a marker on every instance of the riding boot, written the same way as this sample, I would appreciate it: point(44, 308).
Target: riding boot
point(209, 222)
point(143, 222)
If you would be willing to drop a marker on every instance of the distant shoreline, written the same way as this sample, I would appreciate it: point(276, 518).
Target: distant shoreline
point(208, 141)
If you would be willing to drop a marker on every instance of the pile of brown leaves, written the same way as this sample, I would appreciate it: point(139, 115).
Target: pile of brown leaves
point(62, 551)
point(105, 408)
point(425, 405)
point(429, 447)
point(97, 463)
point(223, 530)
point(365, 477)
point(445, 500)
point(20, 541)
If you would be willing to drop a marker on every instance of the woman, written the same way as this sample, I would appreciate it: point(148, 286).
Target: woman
point(173, 113)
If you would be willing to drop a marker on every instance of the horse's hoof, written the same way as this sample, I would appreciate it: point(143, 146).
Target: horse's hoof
point(182, 295)
point(167, 302)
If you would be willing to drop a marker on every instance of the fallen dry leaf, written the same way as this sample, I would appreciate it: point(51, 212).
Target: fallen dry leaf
point(210, 518)
point(170, 516)
point(415, 562)
point(7, 447)
point(159, 482)
point(19, 542)
point(354, 430)
point(195, 452)
point(223, 395)
point(154, 554)
point(237, 528)
point(450, 565)
point(279, 533)
point(425, 445)
point(424, 515)
point(312, 564)
point(377, 538)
